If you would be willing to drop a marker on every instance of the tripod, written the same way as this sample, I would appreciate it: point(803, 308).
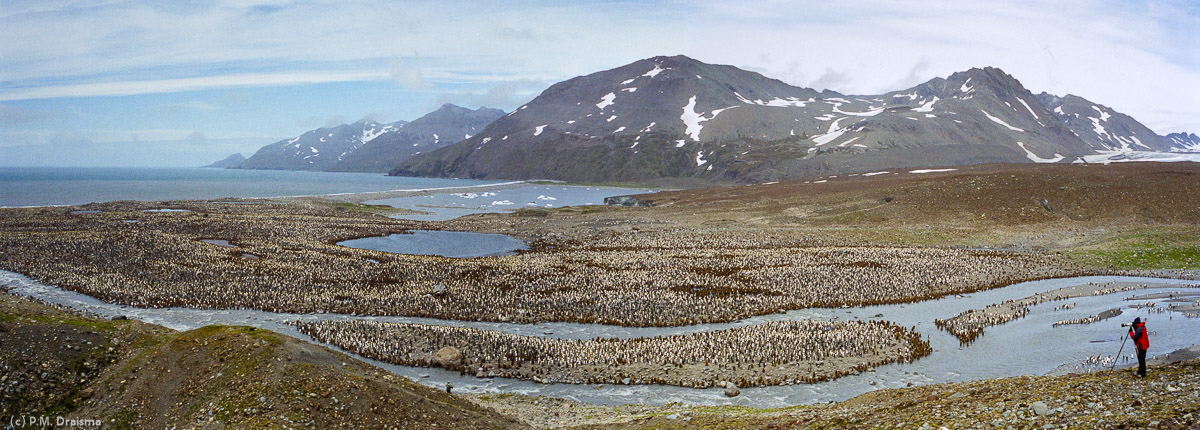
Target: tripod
point(1114, 365)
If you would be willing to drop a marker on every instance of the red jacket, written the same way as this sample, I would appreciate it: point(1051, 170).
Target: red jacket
point(1139, 336)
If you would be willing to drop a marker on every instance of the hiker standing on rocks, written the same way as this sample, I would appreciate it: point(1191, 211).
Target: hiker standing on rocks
point(1141, 339)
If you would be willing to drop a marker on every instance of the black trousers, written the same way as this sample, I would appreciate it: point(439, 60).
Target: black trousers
point(1141, 362)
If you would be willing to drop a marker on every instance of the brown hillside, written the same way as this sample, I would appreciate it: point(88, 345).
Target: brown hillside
point(1154, 193)
point(135, 375)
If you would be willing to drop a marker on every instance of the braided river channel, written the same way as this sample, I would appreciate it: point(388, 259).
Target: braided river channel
point(1026, 346)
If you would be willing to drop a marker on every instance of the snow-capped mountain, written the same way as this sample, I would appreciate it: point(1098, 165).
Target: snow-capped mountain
point(1104, 129)
point(442, 127)
point(675, 116)
point(1183, 142)
point(318, 149)
point(371, 146)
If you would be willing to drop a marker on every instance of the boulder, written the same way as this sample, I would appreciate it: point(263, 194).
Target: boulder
point(439, 290)
point(1041, 409)
point(448, 357)
point(732, 390)
point(626, 201)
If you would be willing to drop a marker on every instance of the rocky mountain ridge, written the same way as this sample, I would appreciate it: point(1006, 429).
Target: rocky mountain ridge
point(227, 162)
point(370, 146)
point(678, 117)
point(1183, 142)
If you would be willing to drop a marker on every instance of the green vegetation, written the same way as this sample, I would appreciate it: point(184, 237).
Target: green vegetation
point(51, 319)
point(122, 420)
point(1145, 248)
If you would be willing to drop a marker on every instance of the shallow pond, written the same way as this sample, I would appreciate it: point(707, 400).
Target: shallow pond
point(219, 242)
point(445, 206)
point(454, 244)
point(1027, 346)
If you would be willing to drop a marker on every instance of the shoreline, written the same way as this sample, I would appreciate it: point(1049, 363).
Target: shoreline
point(969, 325)
point(364, 196)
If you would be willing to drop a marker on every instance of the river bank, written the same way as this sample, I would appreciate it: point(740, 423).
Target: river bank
point(1165, 400)
point(970, 324)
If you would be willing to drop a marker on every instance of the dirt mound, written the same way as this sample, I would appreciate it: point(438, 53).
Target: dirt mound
point(212, 377)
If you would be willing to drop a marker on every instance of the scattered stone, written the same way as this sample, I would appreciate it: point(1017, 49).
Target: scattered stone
point(732, 390)
point(1041, 409)
point(439, 290)
point(448, 356)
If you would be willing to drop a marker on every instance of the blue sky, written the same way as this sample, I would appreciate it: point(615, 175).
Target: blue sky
point(187, 82)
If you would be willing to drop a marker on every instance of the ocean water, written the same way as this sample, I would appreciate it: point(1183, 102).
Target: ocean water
point(44, 186)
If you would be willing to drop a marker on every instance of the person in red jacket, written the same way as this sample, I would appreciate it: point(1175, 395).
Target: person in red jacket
point(1141, 339)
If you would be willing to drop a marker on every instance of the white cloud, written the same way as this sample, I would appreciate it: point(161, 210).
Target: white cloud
point(124, 88)
point(1139, 57)
point(407, 72)
point(192, 106)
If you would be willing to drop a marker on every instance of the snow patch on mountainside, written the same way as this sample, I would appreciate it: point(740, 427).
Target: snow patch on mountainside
point(370, 134)
point(692, 119)
point(1029, 109)
point(927, 107)
point(1033, 157)
point(606, 101)
point(775, 102)
point(829, 136)
point(1000, 121)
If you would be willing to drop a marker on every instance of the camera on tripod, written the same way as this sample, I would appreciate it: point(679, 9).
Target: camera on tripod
point(1127, 325)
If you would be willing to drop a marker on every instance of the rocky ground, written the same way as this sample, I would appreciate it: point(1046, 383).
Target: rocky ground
point(1169, 398)
point(133, 375)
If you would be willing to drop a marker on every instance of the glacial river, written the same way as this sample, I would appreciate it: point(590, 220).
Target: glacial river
point(1027, 346)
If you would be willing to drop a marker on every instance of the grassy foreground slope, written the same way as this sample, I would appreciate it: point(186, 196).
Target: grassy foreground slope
point(1169, 398)
point(134, 375)
point(1166, 399)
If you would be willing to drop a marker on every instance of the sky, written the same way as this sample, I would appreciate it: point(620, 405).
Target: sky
point(186, 83)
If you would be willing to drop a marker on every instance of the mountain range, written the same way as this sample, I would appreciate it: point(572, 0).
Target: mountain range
point(370, 146)
point(227, 162)
point(679, 117)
